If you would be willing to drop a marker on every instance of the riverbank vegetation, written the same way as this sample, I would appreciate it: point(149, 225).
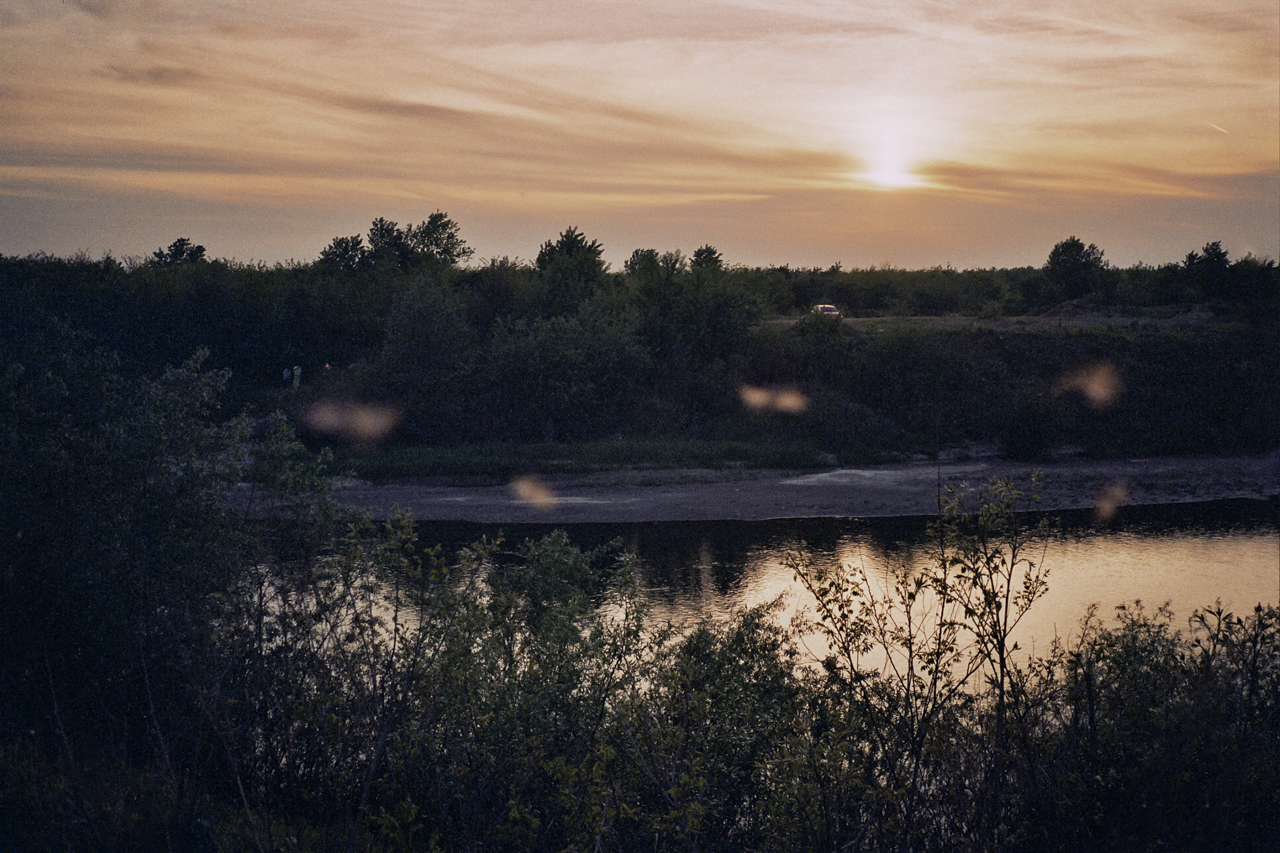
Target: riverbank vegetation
point(192, 663)
point(673, 354)
point(199, 652)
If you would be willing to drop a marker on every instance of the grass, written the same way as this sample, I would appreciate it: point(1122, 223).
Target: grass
point(506, 460)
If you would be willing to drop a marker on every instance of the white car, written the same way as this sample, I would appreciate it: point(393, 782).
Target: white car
point(827, 310)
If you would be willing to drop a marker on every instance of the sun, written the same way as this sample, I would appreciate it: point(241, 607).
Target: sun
point(889, 169)
point(892, 137)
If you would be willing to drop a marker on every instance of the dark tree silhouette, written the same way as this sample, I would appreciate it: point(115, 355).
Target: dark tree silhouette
point(437, 240)
point(706, 258)
point(568, 272)
point(344, 253)
point(1207, 271)
point(642, 263)
point(572, 246)
point(1073, 269)
point(180, 251)
point(430, 244)
point(388, 245)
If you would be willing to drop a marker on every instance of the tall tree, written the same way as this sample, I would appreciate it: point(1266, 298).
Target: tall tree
point(437, 240)
point(573, 247)
point(1207, 271)
point(568, 272)
point(1073, 269)
point(344, 253)
point(643, 263)
point(180, 251)
point(706, 258)
point(673, 264)
point(116, 529)
point(388, 245)
point(433, 243)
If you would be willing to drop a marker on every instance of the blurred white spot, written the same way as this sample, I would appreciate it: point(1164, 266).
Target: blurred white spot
point(531, 490)
point(1109, 502)
point(1099, 384)
point(358, 423)
point(787, 400)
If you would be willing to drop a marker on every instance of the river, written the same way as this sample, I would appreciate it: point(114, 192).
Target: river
point(1188, 555)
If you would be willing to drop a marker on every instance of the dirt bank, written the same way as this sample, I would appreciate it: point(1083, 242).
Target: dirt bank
point(889, 490)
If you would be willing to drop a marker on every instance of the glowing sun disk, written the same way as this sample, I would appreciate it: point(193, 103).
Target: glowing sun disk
point(889, 174)
point(890, 139)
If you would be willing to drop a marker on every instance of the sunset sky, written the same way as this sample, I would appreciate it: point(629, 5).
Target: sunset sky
point(804, 132)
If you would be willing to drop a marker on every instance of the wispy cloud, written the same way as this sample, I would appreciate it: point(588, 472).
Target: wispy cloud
point(586, 106)
point(154, 75)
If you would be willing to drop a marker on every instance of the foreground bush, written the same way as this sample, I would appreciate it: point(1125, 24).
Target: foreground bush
point(191, 664)
point(370, 694)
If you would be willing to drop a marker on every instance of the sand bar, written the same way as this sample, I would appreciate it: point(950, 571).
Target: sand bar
point(756, 495)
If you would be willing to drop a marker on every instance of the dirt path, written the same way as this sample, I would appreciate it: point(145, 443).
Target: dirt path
point(891, 490)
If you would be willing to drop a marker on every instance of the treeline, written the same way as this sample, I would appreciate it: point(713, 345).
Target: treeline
point(563, 349)
point(1104, 390)
point(190, 664)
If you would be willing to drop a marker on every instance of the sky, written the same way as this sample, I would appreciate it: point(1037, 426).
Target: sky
point(916, 133)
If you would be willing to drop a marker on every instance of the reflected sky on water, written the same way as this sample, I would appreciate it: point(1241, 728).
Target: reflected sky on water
point(1187, 554)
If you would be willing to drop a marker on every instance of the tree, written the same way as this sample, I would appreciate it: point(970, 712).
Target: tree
point(180, 251)
point(568, 272)
point(344, 253)
point(673, 264)
point(563, 377)
point(1213, 255)
point(1208, 271)
point(1073, 269)
point(706, 258)
point(652, 268)
point(434, 243)
point(930, 633)
point(494, 290)
point(1255, 282)
point(388, 245)
point(643, 263)
point(426, 349)
point(117, 528)
point(437, 240)
point(572, 246)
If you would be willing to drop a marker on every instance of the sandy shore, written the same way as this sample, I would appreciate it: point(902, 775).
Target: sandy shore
point(889, 490)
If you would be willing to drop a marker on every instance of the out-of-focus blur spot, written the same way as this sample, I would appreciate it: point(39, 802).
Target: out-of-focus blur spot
point(1099, 384)
point(1109, 502)
point(357, 423)
point(787, 400)
point(531, 490)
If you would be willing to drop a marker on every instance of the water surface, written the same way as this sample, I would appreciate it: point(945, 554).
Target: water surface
point(1189, 555)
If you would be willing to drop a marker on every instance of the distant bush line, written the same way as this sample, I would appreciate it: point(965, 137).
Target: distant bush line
point(561, 350)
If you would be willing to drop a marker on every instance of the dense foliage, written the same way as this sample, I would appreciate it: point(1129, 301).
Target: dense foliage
point(191, 665)
point(198, 652)
point(563, 350)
